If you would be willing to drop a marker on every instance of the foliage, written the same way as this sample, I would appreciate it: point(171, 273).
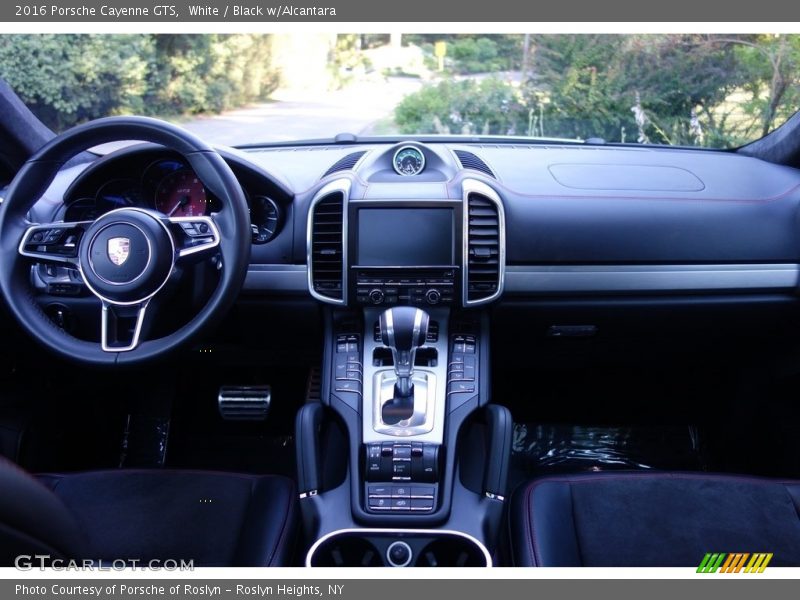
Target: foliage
point(467, 53)
point(209, 73)
point(347, 60)
point(624, 88)
point(579, 76)
point(476, 55)
point(488, 107)
point(705, 90)
point(68, 79)
point(772, 90)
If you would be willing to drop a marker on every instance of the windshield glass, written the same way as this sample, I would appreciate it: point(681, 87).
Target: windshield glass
point(716, 91)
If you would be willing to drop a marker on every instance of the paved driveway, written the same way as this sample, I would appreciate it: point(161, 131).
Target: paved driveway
point(354, 109)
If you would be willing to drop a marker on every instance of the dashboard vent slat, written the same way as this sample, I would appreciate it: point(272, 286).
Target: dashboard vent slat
point(470, 160)
point(483, 248)
point(346, 163)
point(327, 252)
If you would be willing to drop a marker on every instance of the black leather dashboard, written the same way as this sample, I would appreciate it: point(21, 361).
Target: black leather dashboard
point(595, 218)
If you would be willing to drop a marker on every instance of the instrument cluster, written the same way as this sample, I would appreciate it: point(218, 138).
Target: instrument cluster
point(171, 187)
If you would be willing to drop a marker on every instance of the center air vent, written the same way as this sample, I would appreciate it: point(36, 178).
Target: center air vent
point(485, 253)
point(326, 248)
point(346, 163)
point(470, 160)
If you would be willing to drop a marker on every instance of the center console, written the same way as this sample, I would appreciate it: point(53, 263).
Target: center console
point(404, 457)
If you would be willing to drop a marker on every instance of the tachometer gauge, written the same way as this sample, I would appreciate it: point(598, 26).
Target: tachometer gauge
point(408, 160)
point(181, 194)
point(265, 218)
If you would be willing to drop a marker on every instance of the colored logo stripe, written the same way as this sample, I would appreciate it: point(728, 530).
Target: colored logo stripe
point(758, 563)
point(734, 562)
point(710, 563)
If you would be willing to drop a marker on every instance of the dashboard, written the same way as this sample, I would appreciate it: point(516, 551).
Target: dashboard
point(466, 223)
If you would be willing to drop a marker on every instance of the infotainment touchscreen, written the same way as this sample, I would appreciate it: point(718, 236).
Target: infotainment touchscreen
point(389, 237)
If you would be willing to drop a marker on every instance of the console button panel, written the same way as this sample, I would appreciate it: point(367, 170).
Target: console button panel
point(417, 287)
point(462, 369)
point(401, 498)
point(348, 370)
point(402, 461)
point(401, 476)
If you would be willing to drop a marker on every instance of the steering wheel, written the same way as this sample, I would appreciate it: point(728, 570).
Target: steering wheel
point(126, 256)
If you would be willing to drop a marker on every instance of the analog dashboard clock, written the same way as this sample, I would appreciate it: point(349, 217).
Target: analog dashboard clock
point(408, 161)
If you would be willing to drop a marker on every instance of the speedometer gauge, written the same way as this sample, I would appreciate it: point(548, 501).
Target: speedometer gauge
point(408, 161)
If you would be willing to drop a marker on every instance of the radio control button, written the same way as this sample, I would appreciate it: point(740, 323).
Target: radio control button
point(433, 296)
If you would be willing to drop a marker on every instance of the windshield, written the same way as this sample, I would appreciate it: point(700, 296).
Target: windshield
point(716, 91)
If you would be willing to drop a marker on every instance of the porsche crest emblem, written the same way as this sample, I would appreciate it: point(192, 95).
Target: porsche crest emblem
point(119, 249)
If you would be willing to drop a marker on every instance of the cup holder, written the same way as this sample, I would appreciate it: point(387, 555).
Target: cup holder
point(397, 547)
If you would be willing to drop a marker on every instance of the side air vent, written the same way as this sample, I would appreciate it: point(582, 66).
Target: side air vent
point(485, 255)
point(346, 163)
point(469, 160)
point(326, 249)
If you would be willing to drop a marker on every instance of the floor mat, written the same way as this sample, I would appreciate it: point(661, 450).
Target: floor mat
point(539, 450)
point(241, 452)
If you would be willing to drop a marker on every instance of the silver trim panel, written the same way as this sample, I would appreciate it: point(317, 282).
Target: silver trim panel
point(437, 404)
point(571, 279)
point(212, 227)
point(137, 331)
point(427, 532)
point(422, 419)
point(341, 186)
point(46, 226)
point(473, 186)
point(650, 278)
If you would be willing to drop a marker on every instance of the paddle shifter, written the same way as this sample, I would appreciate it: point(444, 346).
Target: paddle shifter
point(403, 329)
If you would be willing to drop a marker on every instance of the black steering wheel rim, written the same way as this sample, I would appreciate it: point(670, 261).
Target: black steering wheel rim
point(232, 224)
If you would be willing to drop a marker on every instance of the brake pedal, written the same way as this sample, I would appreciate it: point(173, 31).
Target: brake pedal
point(244, 402)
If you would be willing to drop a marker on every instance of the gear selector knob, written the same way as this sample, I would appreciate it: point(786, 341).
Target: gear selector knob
point(403, 330)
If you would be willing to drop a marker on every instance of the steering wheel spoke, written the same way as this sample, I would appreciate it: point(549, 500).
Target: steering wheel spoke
point(194, 236)
point(121, 326)
point(53, 242)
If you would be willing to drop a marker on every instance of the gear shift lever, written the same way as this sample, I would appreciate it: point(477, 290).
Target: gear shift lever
point(403, 329)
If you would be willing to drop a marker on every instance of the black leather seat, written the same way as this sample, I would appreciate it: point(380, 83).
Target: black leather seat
point(214, 519)
point(652, 519)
